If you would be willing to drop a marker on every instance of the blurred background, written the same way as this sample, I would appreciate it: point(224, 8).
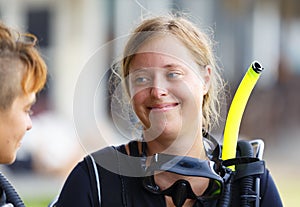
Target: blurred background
point(78, 41)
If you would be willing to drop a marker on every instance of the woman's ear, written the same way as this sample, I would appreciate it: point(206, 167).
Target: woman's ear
point(206, 77)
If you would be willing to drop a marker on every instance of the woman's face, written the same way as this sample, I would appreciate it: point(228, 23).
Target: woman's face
point(14, 122)
point(166, 87)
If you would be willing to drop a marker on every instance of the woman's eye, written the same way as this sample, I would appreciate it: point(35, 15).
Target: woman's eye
point(141, 80)
point(174, 75)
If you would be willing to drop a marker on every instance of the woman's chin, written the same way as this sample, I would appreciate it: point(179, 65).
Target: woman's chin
point(166, 133)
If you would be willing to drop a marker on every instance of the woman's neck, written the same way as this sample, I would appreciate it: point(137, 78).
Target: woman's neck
point(188, 145)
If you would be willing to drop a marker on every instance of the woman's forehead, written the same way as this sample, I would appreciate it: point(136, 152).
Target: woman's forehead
point(164, 44)
point(155, 60)
point(162, 51)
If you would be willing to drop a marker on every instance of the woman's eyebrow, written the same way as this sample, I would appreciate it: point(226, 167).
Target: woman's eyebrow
point(172, 65)
point(167, 66)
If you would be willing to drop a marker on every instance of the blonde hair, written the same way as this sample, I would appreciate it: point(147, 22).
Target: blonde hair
point(19, 50)
point(197, 42)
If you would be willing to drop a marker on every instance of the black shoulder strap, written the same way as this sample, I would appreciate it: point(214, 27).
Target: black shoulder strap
point(93, 180)
point(134, 149)
point(109, 163)
point(264, 181)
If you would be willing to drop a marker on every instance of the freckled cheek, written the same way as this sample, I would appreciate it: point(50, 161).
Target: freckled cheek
point(140, 108)
point(139, 93)
point(180, 92)
point(191, 97)
point(137, 103)
point(140, 97)
point(23, 124)
point(142, 114)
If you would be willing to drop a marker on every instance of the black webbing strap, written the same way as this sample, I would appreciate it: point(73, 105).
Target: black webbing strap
point(93, 181)
point(250, 169)
point(248, 166)
point(134, 149)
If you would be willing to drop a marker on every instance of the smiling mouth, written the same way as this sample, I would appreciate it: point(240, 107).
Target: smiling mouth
point(163, 107)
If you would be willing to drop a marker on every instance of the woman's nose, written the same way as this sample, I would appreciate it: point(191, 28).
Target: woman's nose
point(29, 123)
point(158, 92)
point(159, 88)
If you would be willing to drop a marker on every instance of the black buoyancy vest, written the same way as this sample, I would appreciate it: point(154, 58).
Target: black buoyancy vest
point(118, 189)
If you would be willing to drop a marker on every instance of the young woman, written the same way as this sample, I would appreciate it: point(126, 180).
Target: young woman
point(171, 78)
point(22, 74)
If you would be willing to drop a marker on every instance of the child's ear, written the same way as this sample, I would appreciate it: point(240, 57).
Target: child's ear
point(206, 77)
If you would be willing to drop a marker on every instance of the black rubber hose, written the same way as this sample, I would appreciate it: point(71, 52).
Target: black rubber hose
point(225, 200)
point(11, 194)
point(246, 184)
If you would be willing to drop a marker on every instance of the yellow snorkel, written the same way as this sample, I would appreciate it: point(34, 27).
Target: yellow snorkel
point(237, 109)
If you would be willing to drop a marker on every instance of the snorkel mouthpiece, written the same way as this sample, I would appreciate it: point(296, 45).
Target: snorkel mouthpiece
point(257, 67)
point(180, 191)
